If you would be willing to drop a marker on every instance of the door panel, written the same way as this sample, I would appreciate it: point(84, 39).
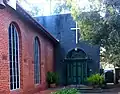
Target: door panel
point(76, 72)
point(84, 71)
point(79, 73)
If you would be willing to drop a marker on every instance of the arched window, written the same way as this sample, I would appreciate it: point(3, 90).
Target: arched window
point(36, 61)
point(14, 57)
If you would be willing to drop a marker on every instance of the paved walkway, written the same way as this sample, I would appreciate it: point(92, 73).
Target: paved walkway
point(107, 91)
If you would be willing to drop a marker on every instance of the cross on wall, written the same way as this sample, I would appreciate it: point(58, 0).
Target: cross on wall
point(76, 31)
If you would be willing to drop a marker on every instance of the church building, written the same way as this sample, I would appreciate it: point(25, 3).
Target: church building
point(31, 47)
point(27, 52)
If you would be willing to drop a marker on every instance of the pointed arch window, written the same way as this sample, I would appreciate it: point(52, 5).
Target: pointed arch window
point(14, 57)
point(36, 61)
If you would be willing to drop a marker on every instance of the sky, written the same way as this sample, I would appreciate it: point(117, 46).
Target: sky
point(42, 4)
point(45, 5)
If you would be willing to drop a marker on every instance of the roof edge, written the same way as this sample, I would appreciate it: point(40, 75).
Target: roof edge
point(29, 18)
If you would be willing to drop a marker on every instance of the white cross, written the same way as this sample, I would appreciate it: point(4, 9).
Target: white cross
point(76, 30)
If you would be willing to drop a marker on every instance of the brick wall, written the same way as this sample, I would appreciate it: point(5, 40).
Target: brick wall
point(27, 33)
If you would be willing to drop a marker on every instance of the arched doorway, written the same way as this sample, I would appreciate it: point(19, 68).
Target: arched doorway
point(76, 67)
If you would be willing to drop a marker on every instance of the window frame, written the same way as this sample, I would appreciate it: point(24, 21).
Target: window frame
point(36, 40)
point(14, 47)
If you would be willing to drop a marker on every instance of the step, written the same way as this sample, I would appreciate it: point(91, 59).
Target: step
point(87, 90)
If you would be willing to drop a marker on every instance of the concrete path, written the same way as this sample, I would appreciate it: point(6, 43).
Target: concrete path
point(108, 91)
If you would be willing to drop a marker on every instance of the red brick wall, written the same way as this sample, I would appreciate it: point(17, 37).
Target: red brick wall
point(27, 34)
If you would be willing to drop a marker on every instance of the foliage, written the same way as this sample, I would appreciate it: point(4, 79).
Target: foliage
point(100, 25)
point(96, 79)
point(60, 7)
point(55, 7)
point(67, 91)
point(114, 3)
point(52, 77)
point(32, 9)
point(35, 11)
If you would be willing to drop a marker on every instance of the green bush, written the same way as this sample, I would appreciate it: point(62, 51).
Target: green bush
point(52, 77)
point(67, 91)
point(96, 80)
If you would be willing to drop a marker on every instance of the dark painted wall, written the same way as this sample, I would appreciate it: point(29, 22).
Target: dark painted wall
point(60, 27)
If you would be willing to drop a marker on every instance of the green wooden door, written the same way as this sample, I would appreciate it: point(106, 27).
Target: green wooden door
point(76, 71)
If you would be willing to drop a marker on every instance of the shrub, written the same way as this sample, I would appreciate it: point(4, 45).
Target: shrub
point(67, 91)
point(96, 80)
point(52, 77)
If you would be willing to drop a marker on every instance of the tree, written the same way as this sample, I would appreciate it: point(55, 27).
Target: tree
point(114, 3)
point(99, 29)
point(33, 10)
point(61, 7)
point(55, 7)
